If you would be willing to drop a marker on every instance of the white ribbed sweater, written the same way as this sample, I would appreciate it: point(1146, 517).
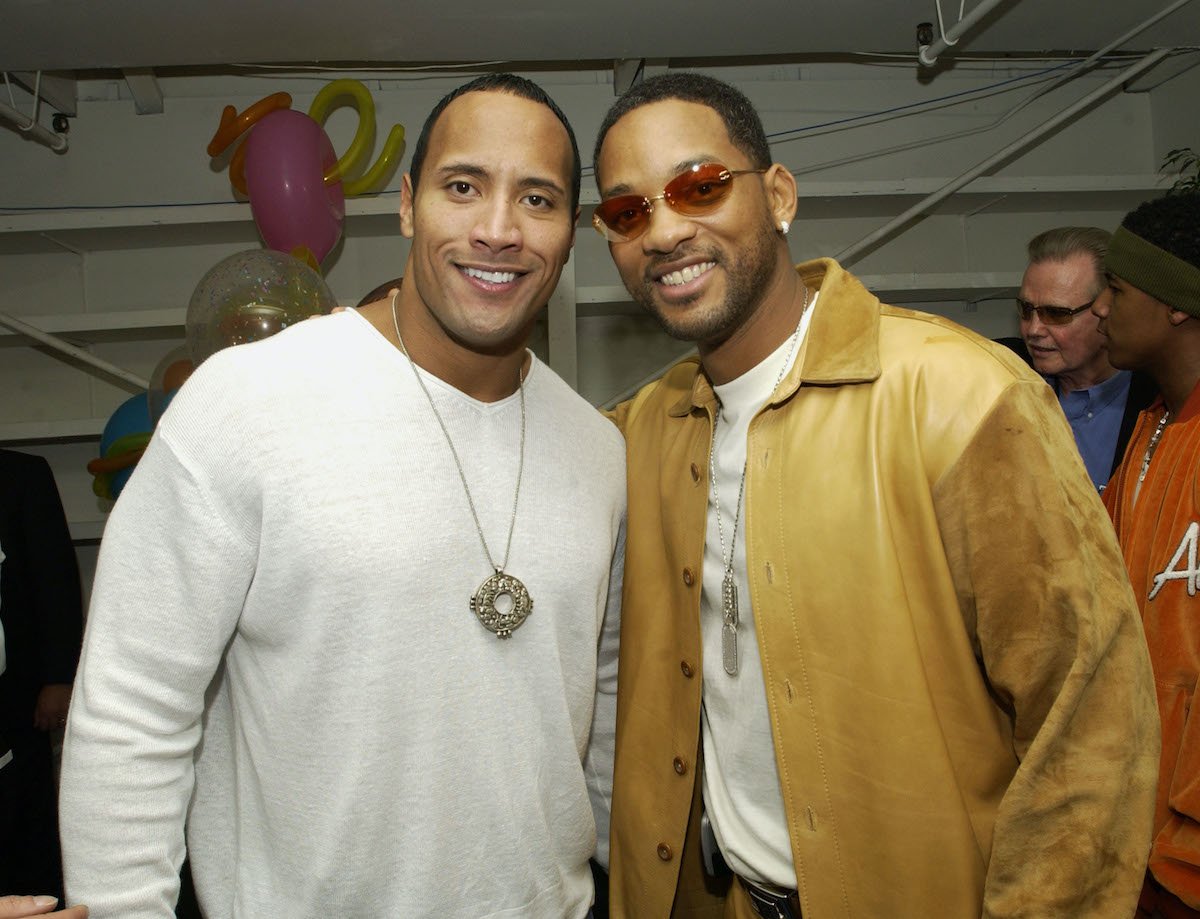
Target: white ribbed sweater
point(283, 591)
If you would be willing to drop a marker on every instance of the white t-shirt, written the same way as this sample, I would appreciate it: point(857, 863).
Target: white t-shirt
point(742, 793)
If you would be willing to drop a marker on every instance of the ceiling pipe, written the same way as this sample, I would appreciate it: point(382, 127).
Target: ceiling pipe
point(79, 354)
point(928, 55)
point(1136, 30)
point(26, 125)
point(848, 254)
point(30, 126)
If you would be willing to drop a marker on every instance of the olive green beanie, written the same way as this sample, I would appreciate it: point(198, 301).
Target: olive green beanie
point(1164, 276)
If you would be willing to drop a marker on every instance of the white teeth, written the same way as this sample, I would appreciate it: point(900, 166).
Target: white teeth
point(690, 273)
point(492, 277)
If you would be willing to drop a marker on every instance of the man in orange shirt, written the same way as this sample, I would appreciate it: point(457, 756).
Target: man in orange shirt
point(1151, 315)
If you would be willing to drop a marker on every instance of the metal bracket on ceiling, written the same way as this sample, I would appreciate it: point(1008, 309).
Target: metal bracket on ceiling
point(147, 95)
point(630, 71)
point(58, 90)
point(927, 54)
point(627, 72)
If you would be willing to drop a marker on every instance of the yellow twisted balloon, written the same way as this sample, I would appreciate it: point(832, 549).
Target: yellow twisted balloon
point(337, 93)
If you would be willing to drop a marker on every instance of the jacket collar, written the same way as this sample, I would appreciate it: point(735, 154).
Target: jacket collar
point(842, 345)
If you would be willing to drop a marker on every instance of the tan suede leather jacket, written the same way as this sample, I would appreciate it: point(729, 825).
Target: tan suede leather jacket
point(959, 690)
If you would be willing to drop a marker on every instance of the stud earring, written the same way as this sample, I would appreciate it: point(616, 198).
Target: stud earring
point(784, 226)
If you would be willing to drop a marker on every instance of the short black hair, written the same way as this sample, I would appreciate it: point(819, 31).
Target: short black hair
point(741, 120)
point(513, 85)
point(1172, 223)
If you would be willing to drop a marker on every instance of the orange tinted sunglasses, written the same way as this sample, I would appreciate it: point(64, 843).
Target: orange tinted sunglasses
point(693, 193)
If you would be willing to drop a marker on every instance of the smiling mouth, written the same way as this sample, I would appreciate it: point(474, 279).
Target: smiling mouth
point(684, 275)
point(490, 277)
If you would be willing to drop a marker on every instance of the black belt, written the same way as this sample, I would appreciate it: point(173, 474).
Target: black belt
point(784, 904)
point(769, 904)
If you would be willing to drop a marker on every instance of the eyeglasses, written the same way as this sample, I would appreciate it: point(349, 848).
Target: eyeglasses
point(1051, 315)
point(693, 193)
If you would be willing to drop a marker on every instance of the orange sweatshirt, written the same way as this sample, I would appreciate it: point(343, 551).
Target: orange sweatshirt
point(1158, 528)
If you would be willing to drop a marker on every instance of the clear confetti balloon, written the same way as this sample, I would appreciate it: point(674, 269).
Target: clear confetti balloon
point(251, 296)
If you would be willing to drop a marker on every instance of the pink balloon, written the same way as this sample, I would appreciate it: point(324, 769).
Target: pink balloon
point(287, 156)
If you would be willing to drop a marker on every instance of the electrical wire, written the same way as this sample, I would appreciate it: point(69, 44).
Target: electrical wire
point(960, 96)
point(942, 25)
point(908, 109)
point(940, 138)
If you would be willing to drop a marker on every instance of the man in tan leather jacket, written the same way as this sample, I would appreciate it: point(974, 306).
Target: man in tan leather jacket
point(869, 585)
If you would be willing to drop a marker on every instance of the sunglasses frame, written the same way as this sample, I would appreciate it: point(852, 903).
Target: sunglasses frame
point(645, 205)
point(1064, 315)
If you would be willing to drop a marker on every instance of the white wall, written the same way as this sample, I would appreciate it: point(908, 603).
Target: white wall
point(963, 260)
point(1170, 103)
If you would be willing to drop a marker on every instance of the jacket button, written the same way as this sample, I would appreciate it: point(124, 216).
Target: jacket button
point(695, 473)
point(687, 669)
point(688, 578)
point(680, 766)
point(664, 852)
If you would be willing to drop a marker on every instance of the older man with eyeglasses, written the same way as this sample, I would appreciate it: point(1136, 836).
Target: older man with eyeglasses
point(1063, 280)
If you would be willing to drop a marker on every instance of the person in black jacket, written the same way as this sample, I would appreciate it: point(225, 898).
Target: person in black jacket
point(42, 615)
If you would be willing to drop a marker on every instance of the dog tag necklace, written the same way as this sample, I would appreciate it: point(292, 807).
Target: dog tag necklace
point(1150, 448)
point(729, 596)
point(502, 604)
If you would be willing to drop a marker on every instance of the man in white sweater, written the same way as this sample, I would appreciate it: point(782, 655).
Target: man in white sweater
point(351, 610)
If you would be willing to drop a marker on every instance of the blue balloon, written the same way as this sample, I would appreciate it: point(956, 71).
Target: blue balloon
point(131, 417)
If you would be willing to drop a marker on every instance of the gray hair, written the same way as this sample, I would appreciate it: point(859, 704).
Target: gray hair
point(1061, 243)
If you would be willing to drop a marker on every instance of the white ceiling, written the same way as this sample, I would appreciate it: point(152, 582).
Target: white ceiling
point(124, 34)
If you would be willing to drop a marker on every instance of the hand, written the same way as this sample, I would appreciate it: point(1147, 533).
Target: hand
point(51, 709)
point(17, 907)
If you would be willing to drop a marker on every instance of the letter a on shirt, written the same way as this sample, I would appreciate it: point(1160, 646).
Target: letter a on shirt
point(1187, 546)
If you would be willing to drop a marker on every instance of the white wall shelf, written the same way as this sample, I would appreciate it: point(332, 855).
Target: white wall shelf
point(923, 287)
point(89, 530)
point(915, 287)
point(1009, 193)
point(51, 432)
point(101, 326)
point(138, 228)
point(107, 228)
point(97, 229)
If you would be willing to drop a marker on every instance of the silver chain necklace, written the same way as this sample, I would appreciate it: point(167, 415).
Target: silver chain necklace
point(1153, 445)
point(499, 587)
point(729, 600)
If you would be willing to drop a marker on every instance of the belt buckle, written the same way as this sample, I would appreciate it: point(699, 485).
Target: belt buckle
point(768, 905)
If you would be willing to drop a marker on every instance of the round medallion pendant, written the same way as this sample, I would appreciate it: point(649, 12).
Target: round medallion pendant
point(514, 608)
